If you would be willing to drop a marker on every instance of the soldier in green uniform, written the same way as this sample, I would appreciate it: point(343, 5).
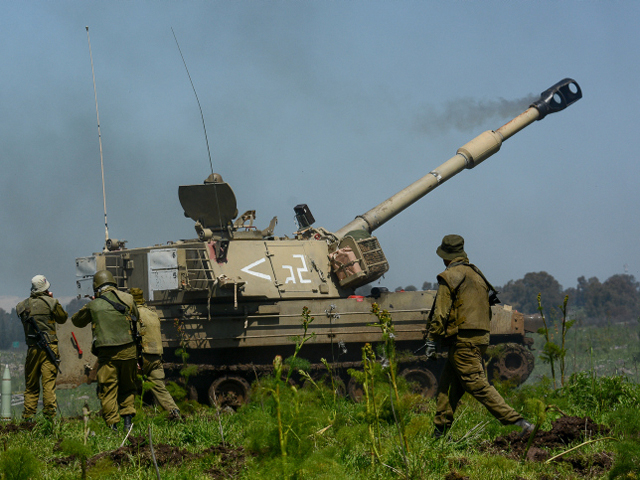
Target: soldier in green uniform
point(152, 354)
point(112, 315)
point(46, 311)
point(460, 320)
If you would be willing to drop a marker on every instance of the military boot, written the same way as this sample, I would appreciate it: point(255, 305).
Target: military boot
point(174, 414)
point(438, 433)
point(128, 421)
point(526, 427)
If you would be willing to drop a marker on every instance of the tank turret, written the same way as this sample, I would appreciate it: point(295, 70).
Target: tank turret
point(233, 296)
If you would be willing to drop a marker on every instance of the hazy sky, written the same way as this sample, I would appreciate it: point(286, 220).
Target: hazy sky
point(337, 104)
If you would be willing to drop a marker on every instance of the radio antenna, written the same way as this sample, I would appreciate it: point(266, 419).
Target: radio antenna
point(104, 195)
point(197, 99)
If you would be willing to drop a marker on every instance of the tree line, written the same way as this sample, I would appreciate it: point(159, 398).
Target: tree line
point(616, 299)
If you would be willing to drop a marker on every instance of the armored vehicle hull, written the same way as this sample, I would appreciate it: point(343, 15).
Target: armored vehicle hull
point(232, 346)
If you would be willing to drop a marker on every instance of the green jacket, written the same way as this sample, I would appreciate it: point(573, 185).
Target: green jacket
point(46, 311)
point(150, 331)
point(110, 327)
point(462, 301)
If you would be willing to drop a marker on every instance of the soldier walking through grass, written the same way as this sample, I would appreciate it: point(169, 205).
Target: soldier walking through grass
point(114, 319)
point(460, 320)
point(40, 312)
point(152, 354)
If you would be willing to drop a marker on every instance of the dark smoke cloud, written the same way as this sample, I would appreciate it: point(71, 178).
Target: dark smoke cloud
point(468, 114)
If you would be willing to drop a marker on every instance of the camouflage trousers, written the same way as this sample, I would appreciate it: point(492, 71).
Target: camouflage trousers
point(465, 371)
point(117, 388)
point(38, 366)
point(152, 369)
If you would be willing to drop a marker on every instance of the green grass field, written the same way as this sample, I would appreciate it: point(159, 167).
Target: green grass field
point(611, 349)
point(308, 433)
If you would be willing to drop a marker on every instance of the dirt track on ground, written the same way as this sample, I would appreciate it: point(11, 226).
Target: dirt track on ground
point(564, 431)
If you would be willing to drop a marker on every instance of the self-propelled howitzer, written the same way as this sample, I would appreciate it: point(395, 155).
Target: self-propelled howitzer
point(233, 297)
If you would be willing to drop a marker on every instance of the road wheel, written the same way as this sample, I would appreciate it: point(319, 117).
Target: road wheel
point(355, 390)
point(229, 391)
point(510, 361)
point(192, 392)
point(423, 381)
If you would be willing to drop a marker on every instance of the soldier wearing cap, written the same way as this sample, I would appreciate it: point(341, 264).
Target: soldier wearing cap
point(460, 320)
point(152, 354)
point(113, 316)
point(47, 312)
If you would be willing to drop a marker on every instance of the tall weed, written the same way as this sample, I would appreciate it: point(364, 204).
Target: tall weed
point(294, 362)
point(625, 422)
point(627, 464)
point(80, 451)
point(607, 393)
point(390, 367)
point(552, 352)
point(187, 370)
point(289, 419)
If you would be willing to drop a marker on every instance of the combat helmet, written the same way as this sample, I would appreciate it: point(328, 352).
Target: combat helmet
point(101, 278)
point(214, 178)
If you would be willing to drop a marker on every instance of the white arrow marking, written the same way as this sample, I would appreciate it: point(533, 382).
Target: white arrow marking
point(248, 268)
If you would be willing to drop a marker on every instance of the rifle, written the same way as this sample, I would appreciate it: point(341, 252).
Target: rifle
point(137, 338)
point(42, 340)
point(415, 352)
point(433, 307)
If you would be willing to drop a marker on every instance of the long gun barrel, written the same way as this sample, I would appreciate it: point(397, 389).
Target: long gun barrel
point(554, 99)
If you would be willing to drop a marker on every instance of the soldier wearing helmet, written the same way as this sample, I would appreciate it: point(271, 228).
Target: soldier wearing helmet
point(114, 317)
point(460, 320)
point(46, 311)
point(152, 354)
